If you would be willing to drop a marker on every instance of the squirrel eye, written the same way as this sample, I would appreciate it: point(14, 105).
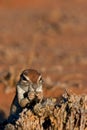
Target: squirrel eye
point(40, 80)
point(23, 78)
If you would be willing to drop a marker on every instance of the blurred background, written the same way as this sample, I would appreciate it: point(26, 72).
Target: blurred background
point(49, 36)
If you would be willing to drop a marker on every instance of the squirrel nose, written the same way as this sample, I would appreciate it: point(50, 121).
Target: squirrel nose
point(35, 86)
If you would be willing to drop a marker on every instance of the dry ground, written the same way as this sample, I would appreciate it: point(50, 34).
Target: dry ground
point(48, 36)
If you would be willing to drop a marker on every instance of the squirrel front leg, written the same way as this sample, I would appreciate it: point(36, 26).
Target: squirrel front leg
point(23, 101)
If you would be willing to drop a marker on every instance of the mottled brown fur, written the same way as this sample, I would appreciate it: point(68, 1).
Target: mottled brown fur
point(26, 89)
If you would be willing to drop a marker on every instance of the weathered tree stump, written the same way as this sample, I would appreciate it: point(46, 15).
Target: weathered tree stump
point(68, 113)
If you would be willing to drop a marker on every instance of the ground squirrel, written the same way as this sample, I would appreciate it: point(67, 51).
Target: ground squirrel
point(29, 86)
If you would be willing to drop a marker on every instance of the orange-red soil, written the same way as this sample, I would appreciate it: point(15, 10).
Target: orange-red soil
point(50, 36)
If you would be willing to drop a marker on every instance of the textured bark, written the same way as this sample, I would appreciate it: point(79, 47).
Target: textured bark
point(68, 113)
